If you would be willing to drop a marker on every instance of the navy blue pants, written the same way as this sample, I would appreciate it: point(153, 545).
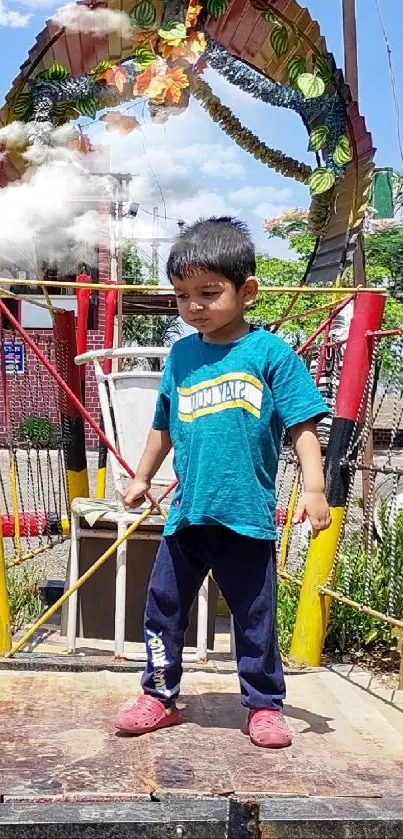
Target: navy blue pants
point(245, 571)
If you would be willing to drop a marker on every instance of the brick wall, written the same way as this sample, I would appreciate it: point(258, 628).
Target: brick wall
point(382, 438)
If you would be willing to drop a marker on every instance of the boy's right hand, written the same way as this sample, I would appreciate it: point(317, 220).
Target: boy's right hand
point(136, 493)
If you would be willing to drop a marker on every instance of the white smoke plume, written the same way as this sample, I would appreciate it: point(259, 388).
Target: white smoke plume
point(97, 21)
point(52, 212)
point(14, 135)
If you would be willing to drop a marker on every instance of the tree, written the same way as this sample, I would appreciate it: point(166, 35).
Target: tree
point(133, 268)
point(384, 252)
point(145, 330)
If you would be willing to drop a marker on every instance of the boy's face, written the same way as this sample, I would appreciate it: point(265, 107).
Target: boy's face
point(209, 302)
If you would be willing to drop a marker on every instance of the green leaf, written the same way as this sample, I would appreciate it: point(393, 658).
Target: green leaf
point(342, 153)
point(296, 67)
point(279, 40)
point(269, 17)
point(372, 636)
point(321, 180)
point(143, 15)
point(55, 73)
point(174, 30)
point(143, 58)
point(318, 138)
point(322, 67)
point(311, 86)
point(216, 8)
point(23, 106)
point(101, 67)
point(87, 107)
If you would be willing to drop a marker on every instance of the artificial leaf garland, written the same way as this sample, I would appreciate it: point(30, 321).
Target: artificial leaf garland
point(245, 138)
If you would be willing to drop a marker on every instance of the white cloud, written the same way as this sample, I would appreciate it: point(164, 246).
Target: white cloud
point(15, 20)
point(223, 169)
point(99, 21)
point(37, 4)
point(266, 210)
point(249, 195)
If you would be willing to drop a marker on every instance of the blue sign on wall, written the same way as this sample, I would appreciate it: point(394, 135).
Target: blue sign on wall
point(14, 355)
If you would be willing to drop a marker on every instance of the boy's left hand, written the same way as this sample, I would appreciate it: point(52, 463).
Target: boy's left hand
point(315, 506)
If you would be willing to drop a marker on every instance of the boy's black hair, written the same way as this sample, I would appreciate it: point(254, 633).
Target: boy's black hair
point(222, 245)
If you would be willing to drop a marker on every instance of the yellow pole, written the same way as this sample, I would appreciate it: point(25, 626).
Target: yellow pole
point(88, 574)
point(288, 525)
point(313, 608)
point(133, 289)
point(5, 618)
point(14, 502)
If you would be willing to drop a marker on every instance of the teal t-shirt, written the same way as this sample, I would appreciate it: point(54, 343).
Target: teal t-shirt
point(225, 406)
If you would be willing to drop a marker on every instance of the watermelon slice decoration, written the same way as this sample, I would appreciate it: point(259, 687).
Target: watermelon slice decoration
point(216, 8)
point(143, 15)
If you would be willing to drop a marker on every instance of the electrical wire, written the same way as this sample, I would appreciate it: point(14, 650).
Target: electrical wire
point(393, 79)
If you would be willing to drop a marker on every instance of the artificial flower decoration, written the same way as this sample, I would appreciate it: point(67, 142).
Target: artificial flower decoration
point(192, 14)
point(188, 49)
point(116, 121)
point(161, 84)
point(115, 75)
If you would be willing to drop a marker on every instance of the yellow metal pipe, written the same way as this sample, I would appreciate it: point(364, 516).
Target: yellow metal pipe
point(100, 491)
point(88, 574)
point(14, 503)
point(290, 578)
point(313, 607)
point(132, 289)
point(366, 610)
point(288, 525)
point(5, 617)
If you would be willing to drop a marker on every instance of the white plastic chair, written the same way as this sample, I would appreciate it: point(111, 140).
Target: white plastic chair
point(132, 396)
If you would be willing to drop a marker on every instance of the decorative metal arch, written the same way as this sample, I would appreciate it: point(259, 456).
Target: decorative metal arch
point(263, 46)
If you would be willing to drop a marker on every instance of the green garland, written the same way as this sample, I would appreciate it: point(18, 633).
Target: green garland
point(320, 206)
point(244, 137)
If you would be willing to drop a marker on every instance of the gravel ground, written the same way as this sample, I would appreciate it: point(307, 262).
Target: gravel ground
point(52, 564)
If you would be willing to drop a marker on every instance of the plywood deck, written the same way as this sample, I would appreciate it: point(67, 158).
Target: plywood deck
point(58, 742)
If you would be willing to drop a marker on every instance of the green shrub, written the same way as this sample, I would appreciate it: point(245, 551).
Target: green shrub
point(40, 432)
point(350, 629)
point(287, 602)
point(24, 597)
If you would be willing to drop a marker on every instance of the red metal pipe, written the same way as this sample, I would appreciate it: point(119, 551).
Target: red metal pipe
point(30, 524)
point(368, 315)
point(384, 333)
point(79, 407)
point(83, 307)
point(111, 302)
point(328, 321)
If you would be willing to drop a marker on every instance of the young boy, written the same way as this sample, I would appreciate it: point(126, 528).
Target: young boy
point(226, 394)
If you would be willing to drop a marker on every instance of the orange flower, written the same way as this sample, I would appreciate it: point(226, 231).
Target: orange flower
point(192, 14)
point(166, 86)
point(189, 49)
point(115, 75)
point(115, 121)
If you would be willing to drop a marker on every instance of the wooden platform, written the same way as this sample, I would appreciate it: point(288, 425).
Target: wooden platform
point(63, 768)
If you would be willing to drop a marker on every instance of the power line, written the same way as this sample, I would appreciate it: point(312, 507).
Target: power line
point(393, 79)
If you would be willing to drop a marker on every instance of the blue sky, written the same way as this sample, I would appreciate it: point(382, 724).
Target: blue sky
point(190, 161)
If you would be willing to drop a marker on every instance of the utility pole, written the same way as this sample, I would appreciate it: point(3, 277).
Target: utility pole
point(351, 74)
point(155, 262)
